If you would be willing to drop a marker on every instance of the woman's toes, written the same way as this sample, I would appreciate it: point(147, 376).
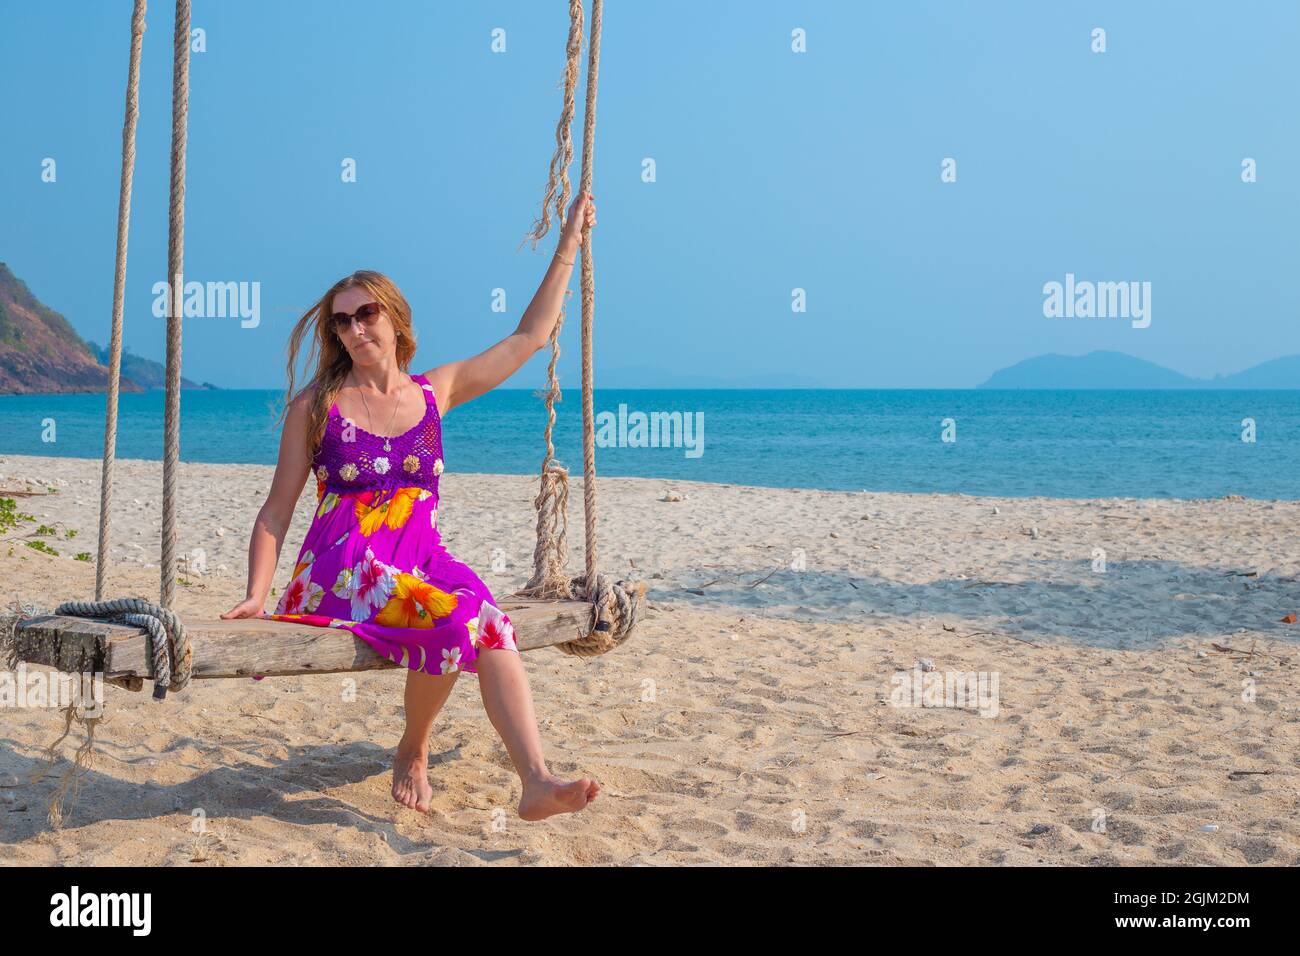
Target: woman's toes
point(579, 791)
point(410, 782)
point(551, 797)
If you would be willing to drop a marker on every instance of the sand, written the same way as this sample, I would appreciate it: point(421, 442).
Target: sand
point(753, 718)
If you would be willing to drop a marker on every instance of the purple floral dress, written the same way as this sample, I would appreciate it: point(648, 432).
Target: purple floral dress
point(373, 561)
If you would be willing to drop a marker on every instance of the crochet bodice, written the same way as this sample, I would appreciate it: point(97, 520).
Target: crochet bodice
point(352, 459)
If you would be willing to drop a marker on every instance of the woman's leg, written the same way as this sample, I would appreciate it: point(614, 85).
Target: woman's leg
point(425, 695)
point(509, 706)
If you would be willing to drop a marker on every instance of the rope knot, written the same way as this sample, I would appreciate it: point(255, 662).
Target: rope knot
point(172, 656)
point(616, 608)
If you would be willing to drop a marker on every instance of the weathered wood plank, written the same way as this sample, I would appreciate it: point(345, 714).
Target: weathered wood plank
point(247, 646)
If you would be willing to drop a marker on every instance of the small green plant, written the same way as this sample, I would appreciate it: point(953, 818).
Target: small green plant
point(46, 530)
point(10, 515)
point(42, 547)
point(84, 556)
point(70, 533)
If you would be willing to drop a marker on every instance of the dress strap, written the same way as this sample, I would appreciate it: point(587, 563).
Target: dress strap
point(427, 387)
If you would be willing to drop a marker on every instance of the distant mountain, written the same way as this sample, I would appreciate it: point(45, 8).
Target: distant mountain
point(144, 371)
point(1279, 373)
point(41, 353)
point(1104, 369)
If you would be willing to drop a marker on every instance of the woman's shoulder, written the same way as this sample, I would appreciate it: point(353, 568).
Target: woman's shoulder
point(302, 405)
point(306, 397)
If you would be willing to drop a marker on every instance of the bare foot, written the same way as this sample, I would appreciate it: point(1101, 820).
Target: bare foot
point(547, 796)
point(411, 778)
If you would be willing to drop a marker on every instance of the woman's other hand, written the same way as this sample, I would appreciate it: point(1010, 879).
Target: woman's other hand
point(245, 608)
point(582, 213)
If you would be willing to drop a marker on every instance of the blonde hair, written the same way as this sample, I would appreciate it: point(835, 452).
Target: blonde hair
point(331, 359)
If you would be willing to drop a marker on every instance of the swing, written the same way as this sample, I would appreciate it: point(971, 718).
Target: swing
point(130, 640)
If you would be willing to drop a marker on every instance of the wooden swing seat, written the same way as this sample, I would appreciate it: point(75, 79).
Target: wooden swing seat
point(245, 647)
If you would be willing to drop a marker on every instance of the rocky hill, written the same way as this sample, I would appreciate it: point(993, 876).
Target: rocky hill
point(40, 351)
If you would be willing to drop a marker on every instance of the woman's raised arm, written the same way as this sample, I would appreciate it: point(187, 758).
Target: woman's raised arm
point(457, 382)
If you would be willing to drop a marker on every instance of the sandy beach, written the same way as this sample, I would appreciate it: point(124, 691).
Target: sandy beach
point(754, 716)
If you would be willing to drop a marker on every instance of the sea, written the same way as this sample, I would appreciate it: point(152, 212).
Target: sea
point(1053, 443)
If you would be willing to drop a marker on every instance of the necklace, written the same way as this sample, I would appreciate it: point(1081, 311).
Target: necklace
point(387, 444)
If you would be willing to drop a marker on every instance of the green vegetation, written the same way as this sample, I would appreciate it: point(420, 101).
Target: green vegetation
point(10, 515)
point(42, 547)
point(8, 328)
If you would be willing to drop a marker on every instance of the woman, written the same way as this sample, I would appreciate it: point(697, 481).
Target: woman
point(372, 561)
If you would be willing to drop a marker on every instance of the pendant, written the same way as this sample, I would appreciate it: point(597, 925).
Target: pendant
point(387, 446)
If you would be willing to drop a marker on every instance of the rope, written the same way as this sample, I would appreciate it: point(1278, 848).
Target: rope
point(549, 580)
point(70, 780)
point(616, 605)
point(616, 609)
point(175, 270)
point(119, 289)
point(589, 305)
point(172, 656)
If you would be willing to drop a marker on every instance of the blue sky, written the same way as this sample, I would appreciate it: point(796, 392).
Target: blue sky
point(775, 171)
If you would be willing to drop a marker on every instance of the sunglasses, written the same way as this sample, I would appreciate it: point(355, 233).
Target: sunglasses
point(368, 315)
